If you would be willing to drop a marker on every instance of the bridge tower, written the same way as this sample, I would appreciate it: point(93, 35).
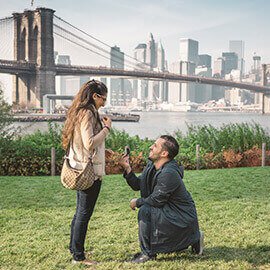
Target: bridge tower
point(33, 42)
point(265, 82)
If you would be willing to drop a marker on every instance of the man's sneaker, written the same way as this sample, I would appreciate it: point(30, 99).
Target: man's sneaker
point(197, 248)
point(136, 255)
point(141, 258)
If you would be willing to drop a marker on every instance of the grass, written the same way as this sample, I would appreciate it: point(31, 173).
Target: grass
point(233, 208)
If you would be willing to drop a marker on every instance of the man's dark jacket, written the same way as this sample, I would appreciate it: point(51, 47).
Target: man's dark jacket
point(174, 223)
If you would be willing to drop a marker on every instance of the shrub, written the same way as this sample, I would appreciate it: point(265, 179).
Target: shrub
point(5, 117)
point(219, 147)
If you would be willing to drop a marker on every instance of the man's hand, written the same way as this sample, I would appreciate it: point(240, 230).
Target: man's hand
point(133, 203)
point(124, 162)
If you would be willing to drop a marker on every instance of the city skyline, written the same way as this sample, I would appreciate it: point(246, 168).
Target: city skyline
point(211, 24)
point(156, 11)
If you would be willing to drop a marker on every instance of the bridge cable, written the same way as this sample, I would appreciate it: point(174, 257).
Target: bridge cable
point(6, 27)
point(98, 40)
point(86, 48)
point(91, 44)
point(98, 47)
point(76, 43)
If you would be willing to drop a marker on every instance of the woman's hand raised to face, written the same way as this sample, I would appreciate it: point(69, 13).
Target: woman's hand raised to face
point(107, 121)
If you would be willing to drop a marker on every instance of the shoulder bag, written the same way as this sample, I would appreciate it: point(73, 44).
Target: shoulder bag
point(72, 178)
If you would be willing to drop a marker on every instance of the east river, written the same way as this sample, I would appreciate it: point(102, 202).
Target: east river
point(153, 124)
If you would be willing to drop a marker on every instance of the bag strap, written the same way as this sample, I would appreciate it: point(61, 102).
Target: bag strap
point(68, 147)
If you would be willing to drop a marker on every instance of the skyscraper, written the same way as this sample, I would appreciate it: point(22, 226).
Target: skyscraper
point(163, 86)
point(140, 52)
point(160, 57)
point(117, 58)
point(230, 61)
point(204, 60)
point(219, 67)
point(219, 72)
point(256, 63)
point(174, 87)
point(151, 52)
point(188, 62)
point(238, 46)
point(67, 85)
point(189, 50)
point(117, 94)
point(203, 92)
point(140, 87)
point(153, 55)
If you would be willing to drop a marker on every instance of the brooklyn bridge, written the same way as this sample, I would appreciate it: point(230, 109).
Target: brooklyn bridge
point(34, 68)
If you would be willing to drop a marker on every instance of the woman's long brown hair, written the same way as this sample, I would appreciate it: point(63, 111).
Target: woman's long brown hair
point(82, 102)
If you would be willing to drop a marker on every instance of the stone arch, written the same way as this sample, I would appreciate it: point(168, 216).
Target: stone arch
point(22, 50)
point(34, 45)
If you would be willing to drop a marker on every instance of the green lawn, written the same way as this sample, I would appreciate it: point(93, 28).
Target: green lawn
point(233, 208)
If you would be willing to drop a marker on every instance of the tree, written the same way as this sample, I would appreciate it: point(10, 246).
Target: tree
point(5, 116)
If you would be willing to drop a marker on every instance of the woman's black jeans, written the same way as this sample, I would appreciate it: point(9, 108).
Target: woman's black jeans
point(86, 200)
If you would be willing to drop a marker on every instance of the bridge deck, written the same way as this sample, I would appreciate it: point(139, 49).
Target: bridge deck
point(17, 67)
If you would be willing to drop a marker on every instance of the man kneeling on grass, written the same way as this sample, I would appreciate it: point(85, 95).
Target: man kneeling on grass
point(167, 216)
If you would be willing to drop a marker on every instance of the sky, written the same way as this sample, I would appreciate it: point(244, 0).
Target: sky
point(127, 23)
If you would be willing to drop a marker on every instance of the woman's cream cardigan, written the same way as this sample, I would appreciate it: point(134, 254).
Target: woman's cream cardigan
point(85, 144)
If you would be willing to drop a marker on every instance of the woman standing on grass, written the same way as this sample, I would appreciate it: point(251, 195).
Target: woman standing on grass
point(85, 134)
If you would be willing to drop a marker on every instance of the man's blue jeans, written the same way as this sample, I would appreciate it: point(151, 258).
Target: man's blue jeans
point(86, 201)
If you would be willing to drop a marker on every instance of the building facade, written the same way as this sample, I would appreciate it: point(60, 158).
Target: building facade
point(238, 47)
point(118, 94)
point(152, 57)
point(204, 60)
point(188, 62)
point(230, 61)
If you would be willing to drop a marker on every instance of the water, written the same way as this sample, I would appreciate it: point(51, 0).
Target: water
point(153, 124)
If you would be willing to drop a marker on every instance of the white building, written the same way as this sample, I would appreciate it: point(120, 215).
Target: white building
point(140, 52)
point(151, 51)
point(189, 50)
point(219, 65)
point(174, 87)
point(237, 96)
point(238, 47)
point(188, 63)
point(151, 54)
point(203, 92)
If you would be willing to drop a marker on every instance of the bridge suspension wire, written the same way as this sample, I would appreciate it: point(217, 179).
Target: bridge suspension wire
point(86, 48)
point(71, 38)
point(79, 39)
point(6, 41)
point(130, 64)
point(98, 40)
